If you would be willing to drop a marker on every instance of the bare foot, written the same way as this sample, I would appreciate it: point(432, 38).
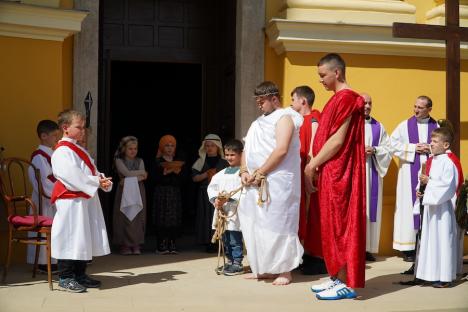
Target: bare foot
point(260, 276)
point(283, 279)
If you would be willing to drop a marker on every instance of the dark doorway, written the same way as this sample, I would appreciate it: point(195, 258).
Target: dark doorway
point(174, 57)
point(148, 107)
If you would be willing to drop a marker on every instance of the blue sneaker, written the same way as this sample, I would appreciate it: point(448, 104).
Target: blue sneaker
point(337, 292)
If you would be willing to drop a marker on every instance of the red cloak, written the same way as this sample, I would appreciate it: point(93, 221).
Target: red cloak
point(309, 224)
point(342, 188)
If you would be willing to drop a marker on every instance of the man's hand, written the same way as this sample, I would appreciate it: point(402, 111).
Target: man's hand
point(419, 194)
point(246, 178)
point(423, 178)
point(423, 148)
point(369, 150)
point(309, 177)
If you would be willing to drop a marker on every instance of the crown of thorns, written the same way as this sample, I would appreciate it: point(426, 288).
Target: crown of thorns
point(266, 94)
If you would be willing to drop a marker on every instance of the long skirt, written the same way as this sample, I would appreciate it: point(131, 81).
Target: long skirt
point(126, 232)
point(168, 211)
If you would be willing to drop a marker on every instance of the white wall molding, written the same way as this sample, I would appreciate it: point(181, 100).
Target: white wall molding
point(30, 21)
point(293, 35)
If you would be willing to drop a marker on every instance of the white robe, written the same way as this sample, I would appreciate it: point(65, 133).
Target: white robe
point(437, 259)
point(228, 182)
point(381, 160)
point(270, 230)
point(78, 231)
point(48, 209)
point(404, 234)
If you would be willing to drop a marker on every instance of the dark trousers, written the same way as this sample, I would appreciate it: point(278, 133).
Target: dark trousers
point(71, 268)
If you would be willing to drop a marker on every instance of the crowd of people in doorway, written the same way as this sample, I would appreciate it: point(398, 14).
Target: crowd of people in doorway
point(308, 182)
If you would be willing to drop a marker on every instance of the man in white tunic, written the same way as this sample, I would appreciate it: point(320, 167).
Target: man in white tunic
point(409, 143)
point(78, 231)
point(48, 133)
point(269, 211)
point(378, 158)
point(438, 254)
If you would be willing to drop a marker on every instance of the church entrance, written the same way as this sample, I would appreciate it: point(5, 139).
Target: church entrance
point(166, 67)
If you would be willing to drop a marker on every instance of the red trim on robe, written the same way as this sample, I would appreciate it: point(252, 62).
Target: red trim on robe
point(60, 191)
point(47, 157)
point(457, 164)
point(342, 189)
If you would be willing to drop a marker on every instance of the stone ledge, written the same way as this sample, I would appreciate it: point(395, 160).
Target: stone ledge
point(436, 16)
point(29, 21)
point(305, 36)
point(382, 12)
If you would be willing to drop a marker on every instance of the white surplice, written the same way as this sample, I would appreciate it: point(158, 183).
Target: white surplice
point(270, 230)
point(437, 259)
point(381, 160)
point(78, 230)
point(404, 234)
point(48, 209)
point(227, 182)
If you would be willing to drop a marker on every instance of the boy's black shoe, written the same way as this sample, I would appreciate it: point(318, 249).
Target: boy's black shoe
point(370, 257)
point(71, 285)
point(234, 269)
point(163, 249)
point(89, 282)
point(42, 268)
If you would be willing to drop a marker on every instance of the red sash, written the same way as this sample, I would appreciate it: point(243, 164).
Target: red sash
point(47, 157)
point(457, 164)
point(60, 191)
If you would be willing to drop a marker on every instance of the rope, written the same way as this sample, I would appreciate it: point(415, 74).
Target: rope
point(221, 225)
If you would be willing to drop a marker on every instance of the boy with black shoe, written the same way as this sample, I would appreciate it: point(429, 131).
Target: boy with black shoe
point(228, 180)
point(78, 231)
point(48, 133)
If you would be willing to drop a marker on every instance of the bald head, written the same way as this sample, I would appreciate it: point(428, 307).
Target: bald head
point(367, 104)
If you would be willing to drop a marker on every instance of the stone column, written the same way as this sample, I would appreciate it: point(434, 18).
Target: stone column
point(250, 22)
point(85, 66)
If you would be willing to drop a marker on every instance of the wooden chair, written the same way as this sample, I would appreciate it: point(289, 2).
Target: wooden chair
point(23, 215)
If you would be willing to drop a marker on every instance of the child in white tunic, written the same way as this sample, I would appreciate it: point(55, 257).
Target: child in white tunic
point(228, 180)
point(437, 259)
point(78, 231)
point(48, 133)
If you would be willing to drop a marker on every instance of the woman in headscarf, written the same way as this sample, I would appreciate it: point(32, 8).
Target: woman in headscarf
point(167, 195)
point(211, 160)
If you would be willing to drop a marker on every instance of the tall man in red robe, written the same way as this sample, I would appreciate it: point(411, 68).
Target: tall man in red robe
point(338, 160)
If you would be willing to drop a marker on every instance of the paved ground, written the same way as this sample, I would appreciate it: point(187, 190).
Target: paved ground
point(187, 282)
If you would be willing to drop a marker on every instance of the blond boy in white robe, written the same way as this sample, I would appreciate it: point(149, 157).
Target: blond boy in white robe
point(78, 231)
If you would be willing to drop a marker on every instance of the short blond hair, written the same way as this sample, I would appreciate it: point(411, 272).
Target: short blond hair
point(66, 117)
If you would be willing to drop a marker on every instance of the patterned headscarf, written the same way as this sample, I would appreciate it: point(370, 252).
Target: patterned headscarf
point(198, 165)
point(166, 139)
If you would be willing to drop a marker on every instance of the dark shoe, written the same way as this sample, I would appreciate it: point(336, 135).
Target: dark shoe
point(163, 248)
point(442, 285)
point(370, 257)
point(234, 269)
point(71, 285)
point(42, 269)
point(89, 282)
point(410, 271)
point(220, 270)
point(414, 282)
point(172, 247)
point(408, 258)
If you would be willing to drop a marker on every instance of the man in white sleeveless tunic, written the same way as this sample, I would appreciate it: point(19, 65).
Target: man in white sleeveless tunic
point(410, 144)
point(269, 211)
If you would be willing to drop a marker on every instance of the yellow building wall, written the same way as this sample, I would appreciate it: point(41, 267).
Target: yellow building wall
point(394, 82)
point(35, 84)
